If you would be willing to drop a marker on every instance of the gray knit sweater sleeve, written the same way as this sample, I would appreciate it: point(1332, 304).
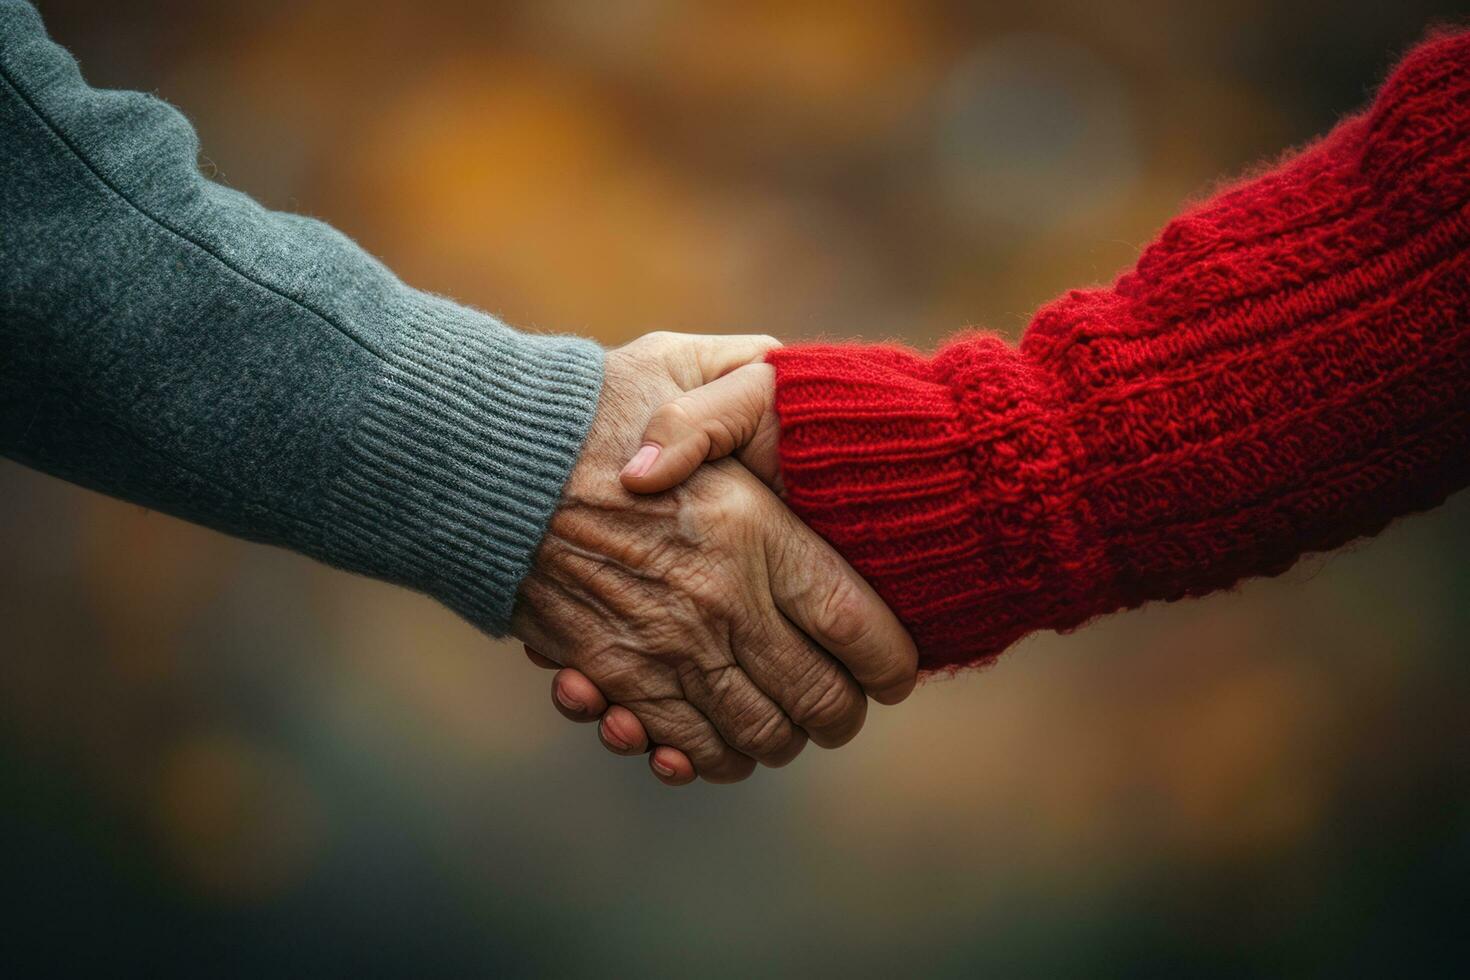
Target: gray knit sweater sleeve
point(167, 340)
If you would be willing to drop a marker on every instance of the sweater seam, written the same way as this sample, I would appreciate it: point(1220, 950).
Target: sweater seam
point(56, 130)
point(316, 530)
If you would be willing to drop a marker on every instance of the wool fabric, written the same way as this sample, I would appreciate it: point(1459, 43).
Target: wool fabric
point(167, 340)
point(1286, 368)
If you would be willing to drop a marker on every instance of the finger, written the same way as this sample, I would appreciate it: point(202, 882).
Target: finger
point(575, 696)
point(707, 423)
point(697, 359)
point(540, 659)
point(671, 766)
point(666, 718)
point(622, 733)
point(839, 611)
point(677, 723)
point(718, 355)
point(746, 718)
point(813, 689)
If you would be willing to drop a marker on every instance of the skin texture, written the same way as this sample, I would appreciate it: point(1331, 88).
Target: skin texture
point(716, 623)
point(735, 414)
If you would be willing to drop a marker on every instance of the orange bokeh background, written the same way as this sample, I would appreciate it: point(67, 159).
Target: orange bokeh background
point(219, 757)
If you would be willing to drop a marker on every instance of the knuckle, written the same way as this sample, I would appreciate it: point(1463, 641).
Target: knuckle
point(707, 750)
point(719, 681)
point(618, 682)
point(603, 660)
point(656, 346)
point(683, 410)
point(789, 751)
point(895, 671)
point(830, 705)
point(841, 616)
point(670, 418)
point(697, 740)
point(625, 676)
point(899, 666)
point(766, 736)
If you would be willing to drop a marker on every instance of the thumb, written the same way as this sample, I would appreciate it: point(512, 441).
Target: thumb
point(732, 414)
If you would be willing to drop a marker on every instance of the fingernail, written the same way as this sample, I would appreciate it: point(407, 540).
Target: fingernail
point(613, 740)
point(642, 461)
point(666, 771)
point(571, 704)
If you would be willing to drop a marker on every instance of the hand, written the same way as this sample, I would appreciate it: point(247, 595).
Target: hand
point(724, 627)
point(734, 413)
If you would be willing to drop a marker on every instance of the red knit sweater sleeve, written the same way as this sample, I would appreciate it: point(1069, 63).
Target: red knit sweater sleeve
point(1287, 368)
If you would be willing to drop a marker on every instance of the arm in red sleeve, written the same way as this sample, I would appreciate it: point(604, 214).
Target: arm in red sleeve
point(1286, 369)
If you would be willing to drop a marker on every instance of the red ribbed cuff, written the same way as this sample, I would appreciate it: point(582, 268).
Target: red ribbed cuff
point(931, 477)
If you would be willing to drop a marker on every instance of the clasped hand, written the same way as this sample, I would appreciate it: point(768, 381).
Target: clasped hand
point(718, 625)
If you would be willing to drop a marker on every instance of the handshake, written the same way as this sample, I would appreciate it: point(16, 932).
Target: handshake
point(1287, 368)
point(687, 607)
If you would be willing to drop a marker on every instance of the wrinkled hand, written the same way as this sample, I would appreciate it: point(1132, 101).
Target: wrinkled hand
point(722, 626)
point(734, 414)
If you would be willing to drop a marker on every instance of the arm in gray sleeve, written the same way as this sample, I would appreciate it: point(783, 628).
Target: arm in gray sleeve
point(166, 340)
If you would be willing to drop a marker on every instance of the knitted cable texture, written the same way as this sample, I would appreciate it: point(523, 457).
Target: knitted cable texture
point(1287, 368)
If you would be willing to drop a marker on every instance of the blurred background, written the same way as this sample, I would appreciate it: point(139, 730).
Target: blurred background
point(218, 758)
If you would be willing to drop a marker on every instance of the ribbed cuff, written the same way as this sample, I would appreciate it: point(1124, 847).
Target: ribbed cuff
point(876, 459)
point(872, 446)
point(926, 474)
point(460, 454)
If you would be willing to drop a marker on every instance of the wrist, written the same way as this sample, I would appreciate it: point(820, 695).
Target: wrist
point(944, 481)
point(459, 455)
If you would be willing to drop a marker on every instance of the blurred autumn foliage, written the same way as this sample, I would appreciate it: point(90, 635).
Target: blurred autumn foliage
point(221, 758)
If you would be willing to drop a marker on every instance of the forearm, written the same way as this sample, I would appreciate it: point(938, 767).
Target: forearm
point(168, 341)
point(1287, 368)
